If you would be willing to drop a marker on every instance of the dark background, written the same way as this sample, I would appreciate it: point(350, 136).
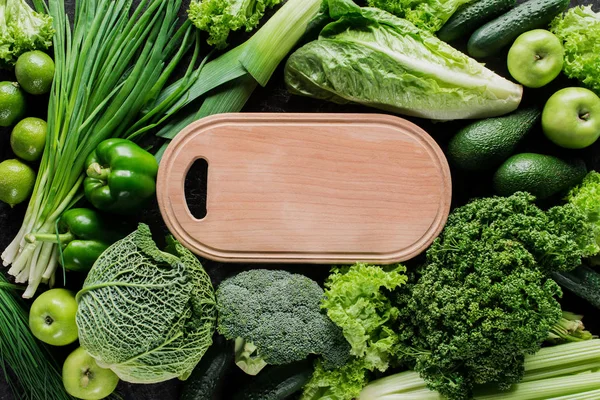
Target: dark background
point(274, 98)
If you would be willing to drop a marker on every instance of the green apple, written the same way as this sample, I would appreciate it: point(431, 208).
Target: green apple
point(52, 317)
point(536, 58)
point(84, 379)
point(571, 118)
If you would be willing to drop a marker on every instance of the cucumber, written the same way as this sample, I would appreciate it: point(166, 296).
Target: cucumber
point(277, 382)
point(471, 16)
point(502, 31)
point(207, 377)
point(487, 143)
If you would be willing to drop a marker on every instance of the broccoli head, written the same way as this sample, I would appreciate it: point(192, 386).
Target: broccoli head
point(275, 318)
point(484, 298)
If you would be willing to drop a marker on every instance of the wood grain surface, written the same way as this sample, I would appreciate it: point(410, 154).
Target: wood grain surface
point(316, 188)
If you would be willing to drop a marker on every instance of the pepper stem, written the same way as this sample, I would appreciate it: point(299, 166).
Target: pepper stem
point(50, 238)
point(96, 171)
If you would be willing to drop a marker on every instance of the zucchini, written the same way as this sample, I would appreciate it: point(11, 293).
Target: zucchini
point(471, 16)
point(277, 382)
point(502, 31)
point(207, 378)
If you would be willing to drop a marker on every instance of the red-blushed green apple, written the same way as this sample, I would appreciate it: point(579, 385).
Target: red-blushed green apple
point(84, 379)
point(52, 317)
point(571, 118)
point(536, 58)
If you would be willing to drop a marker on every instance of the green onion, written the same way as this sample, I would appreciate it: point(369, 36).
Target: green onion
point(38, 374)
point(110, 71)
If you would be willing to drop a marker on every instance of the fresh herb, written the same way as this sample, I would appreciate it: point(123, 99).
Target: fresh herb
point(110, 67)
point(220, 17)
point(146, 314)
point(22, 30)
point(370, 57)
point(484, 300)
point(275, 318)
point(579, 29)
point(38, 374)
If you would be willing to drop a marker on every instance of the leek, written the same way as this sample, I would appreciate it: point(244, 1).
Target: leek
point(565, 372)
point(110, 70)
point(230, 79)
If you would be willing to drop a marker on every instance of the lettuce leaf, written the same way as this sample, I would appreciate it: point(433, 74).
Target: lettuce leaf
point(579, 29)
point(22, 30)
point(371, 57)
point(356, 301)
point(220, 17)
point(429, 15)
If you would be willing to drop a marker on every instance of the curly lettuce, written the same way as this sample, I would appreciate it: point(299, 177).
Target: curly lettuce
point(429, 15)
point(22, 30)
point(220, 17)
point(356, 300)
point(579, 29)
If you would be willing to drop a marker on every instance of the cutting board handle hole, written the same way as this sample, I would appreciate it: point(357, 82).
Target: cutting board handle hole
point(196, 187)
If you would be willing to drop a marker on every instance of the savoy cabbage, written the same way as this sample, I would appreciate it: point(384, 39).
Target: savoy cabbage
point(146, 314)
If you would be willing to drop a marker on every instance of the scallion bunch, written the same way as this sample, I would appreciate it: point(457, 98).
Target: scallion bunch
point(110, 67)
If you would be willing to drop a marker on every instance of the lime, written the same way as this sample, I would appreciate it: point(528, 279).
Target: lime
point(35, 71)
point(28, 138)
point(16, 182)
point(12, 103)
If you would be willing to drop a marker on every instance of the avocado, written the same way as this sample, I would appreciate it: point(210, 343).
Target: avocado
point(541, 175)
point(487, 143)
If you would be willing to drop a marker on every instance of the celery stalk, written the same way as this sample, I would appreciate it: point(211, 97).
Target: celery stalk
point(546, 388)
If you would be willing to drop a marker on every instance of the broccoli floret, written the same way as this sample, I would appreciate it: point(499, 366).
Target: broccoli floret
point(276, 318)
point(484, 299)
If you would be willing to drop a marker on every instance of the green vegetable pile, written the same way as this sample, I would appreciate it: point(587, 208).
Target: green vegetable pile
point(22, 30)
point(146, 314)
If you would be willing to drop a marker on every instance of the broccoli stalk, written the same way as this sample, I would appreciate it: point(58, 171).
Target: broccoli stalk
point(247, 357)
point(22, 30)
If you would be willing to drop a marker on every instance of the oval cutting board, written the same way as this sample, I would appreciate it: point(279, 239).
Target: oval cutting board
point(307, 188)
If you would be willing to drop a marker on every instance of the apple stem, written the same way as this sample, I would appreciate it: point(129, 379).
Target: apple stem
point(585, 116)
point(85, 379)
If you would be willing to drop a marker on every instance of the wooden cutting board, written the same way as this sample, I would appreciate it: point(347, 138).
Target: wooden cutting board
point(307, 188)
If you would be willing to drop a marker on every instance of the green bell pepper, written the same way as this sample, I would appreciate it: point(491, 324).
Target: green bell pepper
point(83, 234)
point(121, 176)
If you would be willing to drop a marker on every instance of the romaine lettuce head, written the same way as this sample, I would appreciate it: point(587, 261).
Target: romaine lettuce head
point(368, 56)
point(146, 314)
